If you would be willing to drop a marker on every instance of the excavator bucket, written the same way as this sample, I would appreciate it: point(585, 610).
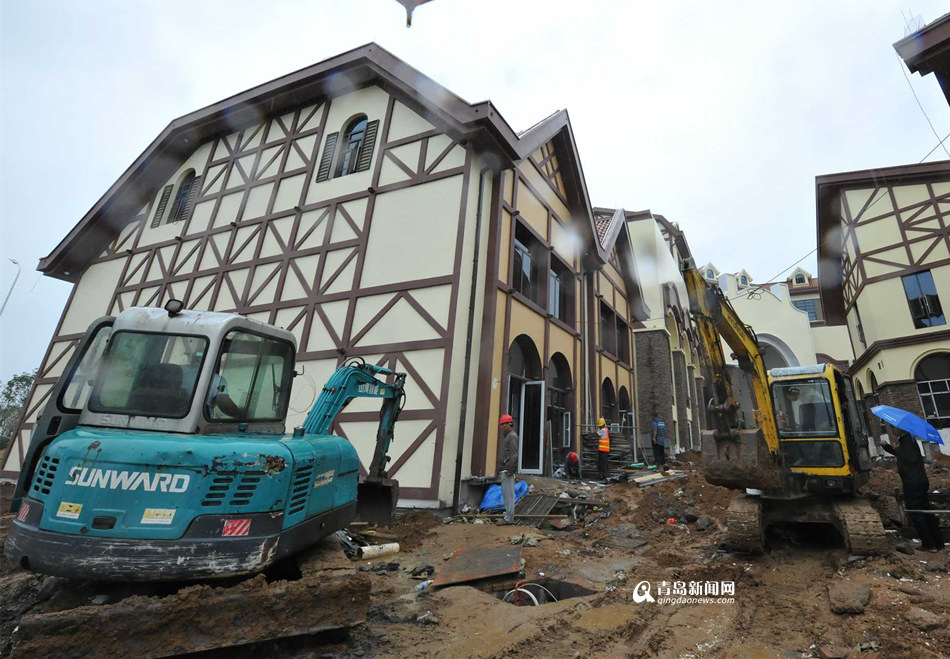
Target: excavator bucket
point(740, 460)
point(376, 499)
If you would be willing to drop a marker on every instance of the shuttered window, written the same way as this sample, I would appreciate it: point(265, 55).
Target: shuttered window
point(323, 173)
point(160, 209)
point(185, 199)
point(366, 150)
point(356, 149)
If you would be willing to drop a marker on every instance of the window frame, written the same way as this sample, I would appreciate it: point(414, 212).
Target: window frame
point(107, 361)
point(560, 272)
point(813, 312)
point(785, 434)
point(286, 380)
point(931, 311)
point(344, 150)
point(61, 399)
point(525, 242)
point(180, 203)
point(623, 340)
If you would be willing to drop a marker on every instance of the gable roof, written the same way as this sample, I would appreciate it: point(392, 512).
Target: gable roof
point(479, 123)
point(928, 49)
point(828, 188)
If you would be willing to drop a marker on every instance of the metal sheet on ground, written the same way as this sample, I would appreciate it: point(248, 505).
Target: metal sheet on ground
point(478, 564)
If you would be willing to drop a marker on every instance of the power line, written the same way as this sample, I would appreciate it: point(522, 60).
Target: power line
point(773, 277)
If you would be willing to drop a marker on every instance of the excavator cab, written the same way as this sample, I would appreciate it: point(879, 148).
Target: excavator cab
point(821, 435)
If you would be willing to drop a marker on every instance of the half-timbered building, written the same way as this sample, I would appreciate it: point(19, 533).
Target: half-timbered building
point(884, 271)
point(375, 214)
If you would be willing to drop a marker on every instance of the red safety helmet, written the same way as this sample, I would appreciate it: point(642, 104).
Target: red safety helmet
point(506, 418)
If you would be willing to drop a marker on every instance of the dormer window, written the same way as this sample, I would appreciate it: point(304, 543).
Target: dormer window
point(743, 281)
point(356, 152)
point(709, 274)
point(799, 279)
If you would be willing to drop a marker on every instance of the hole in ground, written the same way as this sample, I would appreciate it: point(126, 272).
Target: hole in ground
point(541, 591)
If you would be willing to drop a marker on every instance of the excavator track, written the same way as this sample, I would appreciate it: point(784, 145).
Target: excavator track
point(861, 526)
point(745, 530)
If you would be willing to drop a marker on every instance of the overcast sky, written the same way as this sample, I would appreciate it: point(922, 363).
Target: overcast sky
point(718, 115)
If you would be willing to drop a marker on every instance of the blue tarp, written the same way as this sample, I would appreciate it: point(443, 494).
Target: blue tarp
point(492, 502)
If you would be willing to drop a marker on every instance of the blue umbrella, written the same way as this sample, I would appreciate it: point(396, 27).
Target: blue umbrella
point(908, 421)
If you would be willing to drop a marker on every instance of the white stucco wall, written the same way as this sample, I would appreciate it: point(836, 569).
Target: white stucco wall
point(779, 324)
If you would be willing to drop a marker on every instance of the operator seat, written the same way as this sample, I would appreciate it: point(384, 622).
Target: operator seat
point(158, 389)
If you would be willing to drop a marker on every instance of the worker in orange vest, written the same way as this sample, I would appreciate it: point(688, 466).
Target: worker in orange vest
point(603, 448)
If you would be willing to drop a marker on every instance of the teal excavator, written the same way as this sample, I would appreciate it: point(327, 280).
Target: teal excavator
point(162, 454)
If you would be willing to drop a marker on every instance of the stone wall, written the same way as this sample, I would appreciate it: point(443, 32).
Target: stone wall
point(654, 381)
point(902, 395)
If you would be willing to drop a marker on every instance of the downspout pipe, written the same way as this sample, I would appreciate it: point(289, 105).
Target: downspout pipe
point(463, 413)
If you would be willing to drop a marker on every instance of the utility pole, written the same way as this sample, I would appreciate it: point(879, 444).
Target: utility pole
point(12, 286)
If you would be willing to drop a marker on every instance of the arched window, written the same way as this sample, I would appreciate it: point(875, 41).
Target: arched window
point(799, 279)
point(353, 138)
point(709, 274)
point(184, 199)
point(356, 152)
point(181, 205)
point(608, 402)
point(623, 400)
point(560, 400)
point(932, 377)
point(743, 280)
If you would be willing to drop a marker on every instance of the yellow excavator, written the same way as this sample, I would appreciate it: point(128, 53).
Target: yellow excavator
point(805, 452)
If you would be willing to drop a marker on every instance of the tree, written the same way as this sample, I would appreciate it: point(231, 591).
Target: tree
point(12, 399)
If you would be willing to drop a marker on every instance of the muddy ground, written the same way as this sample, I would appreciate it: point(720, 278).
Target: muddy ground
point(781, 604)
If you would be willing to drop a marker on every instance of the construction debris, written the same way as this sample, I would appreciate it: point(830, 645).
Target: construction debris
point(479, 564)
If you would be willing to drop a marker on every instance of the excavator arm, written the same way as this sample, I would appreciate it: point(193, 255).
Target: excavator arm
point(735, 457)
point(378, 494)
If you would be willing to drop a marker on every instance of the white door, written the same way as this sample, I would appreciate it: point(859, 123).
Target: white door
point(531, 435)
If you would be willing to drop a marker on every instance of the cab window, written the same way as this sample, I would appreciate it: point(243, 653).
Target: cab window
point(83, 376)
point(812, 453)
point(251, 381)
point(148, 374)
point(804, 408)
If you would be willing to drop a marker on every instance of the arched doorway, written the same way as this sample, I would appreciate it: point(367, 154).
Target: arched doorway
point(623, 403)
point(526, 402)
point(608, 402)
point(932, 377)
point(778, 354)
point(862, 405)
point(874, 398)
point(560, 399)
